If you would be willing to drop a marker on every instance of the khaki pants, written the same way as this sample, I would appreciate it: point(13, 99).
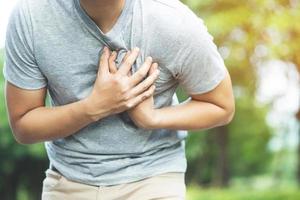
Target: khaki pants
point(167, 186)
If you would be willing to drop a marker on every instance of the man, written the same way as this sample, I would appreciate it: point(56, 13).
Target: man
point(115, 129)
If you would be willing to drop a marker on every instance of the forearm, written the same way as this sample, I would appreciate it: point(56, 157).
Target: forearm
point(192, 115)
point(50, 123)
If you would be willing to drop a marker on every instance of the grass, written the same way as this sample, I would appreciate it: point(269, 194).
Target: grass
point(196, 193)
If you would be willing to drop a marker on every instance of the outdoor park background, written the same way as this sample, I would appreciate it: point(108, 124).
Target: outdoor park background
point(257, 156)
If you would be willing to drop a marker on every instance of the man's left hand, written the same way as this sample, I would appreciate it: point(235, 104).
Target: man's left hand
point(144, 115)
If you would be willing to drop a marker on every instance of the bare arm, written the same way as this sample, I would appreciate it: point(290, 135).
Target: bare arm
point(204, 111)
point(32, 122)
point(209, 110)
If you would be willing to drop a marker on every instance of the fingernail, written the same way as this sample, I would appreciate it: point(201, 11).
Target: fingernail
point(114, 53)
point(149, 59)
point(136, 48)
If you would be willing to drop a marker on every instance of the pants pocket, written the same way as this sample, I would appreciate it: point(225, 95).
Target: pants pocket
point(52, 180)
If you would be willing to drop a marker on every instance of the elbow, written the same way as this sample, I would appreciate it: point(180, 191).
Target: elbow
point(23, 139)
point(21, 136)
point(229, 117)
point(229, 114)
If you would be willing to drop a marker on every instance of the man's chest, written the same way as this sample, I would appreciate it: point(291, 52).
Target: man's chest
point(70, 62)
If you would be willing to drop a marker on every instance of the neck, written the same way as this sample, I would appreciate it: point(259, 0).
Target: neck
point(105, 13)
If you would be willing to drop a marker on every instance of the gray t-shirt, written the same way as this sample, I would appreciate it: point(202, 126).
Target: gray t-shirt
point(55, 44)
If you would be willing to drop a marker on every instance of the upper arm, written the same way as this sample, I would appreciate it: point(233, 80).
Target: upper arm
point(20, 65)
point(188, 51)
point(221, 95)
point(200, 68)
point(20, 101)
point(25, 82)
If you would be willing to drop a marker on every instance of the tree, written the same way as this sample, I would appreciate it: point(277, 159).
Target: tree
point(238, 29)
point(21, 166)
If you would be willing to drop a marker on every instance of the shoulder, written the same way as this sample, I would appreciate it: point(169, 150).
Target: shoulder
point(172, 21)
point(30, 5)
point(42, 8)
point(47, 3)
point(163, 10)
point(172, 27)
point(163, 16)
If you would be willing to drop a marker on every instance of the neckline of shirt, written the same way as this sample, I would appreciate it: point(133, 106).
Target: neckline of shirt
point(117, 27)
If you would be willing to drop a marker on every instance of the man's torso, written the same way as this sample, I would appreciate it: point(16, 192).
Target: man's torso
point(67, 46)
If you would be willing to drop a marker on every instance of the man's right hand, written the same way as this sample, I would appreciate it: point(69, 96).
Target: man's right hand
point(114, 91)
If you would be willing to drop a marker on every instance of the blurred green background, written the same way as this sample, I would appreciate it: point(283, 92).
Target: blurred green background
point(257, 156)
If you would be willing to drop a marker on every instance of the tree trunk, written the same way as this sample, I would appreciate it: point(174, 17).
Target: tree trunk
point(222, 169)
point(298, 171)
point(9, 190)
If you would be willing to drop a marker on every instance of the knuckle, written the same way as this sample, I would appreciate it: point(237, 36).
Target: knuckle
point(156, 75)
point(150, 92)
point(153, 88)
point(152, 80)
point(118, 76)
point(102, 59)
point(145, 86)
point(140, 75)
point(144, 97)
point(115, 81)
point(124, 90)
point(126, 96)
point(127, 62)
point(129, 105)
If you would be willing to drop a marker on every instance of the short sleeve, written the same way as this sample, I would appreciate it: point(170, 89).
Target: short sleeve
point(200, 67)
point(20, 67)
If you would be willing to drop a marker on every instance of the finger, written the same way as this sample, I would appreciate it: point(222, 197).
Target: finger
point(112, 64)
point(138, 76)
point(142, 97)
point(103, 64)
point(128, 62)
point(153, 68)
point(129, 73)
point(126, 55)
point(140, 88)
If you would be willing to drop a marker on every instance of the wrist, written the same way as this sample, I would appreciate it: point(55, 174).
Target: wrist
point(155, 121)
point(89, 111)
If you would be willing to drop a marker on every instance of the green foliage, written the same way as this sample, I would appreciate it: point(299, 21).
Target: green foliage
point(249, 138)
point(238, 29)
point(20, 164)
point(9, 148)
point(248, 134)
point(195, 193)
point(247, 32)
